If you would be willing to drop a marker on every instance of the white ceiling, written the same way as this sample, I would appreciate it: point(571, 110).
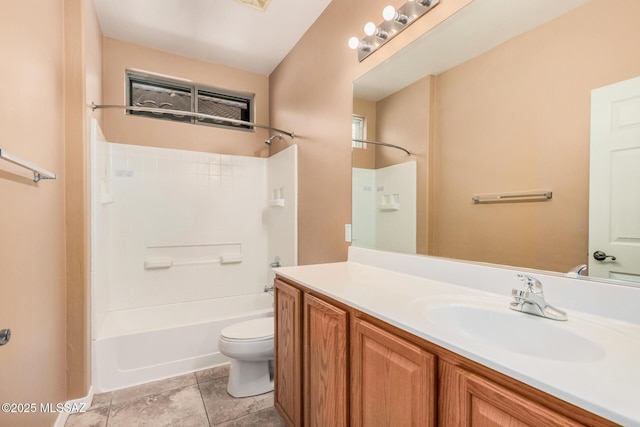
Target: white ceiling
point(219, 31)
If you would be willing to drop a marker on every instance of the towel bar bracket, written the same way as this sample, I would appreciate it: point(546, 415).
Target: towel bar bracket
point(37, 177)
point(38, 172)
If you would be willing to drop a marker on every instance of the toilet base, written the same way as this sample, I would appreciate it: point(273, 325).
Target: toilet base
point(250, 378)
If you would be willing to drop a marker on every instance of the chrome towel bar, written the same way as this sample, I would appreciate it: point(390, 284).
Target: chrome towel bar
point(38, 173)
point(513, 197)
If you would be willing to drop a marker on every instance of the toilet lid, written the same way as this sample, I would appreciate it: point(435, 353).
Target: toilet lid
point(255, 329)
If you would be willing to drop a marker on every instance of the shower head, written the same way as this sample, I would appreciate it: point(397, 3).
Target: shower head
point(268, 141)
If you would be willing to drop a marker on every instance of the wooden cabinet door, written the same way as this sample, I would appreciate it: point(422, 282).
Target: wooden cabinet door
point(325, 364)
point(288, 353)
point(393, 381)
point(470, 400)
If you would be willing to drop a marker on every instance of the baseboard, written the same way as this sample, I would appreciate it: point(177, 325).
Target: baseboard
point(76, 405)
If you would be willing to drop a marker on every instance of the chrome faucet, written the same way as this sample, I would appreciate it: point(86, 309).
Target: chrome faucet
point(578, 270)
point(276, 262)
point(531, 300)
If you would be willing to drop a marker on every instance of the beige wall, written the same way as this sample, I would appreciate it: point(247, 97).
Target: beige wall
point(128, 129)
point(83, 75)
point(32, 222)
point(365, 158)
point(518, 118)
point(311, 93)
point(44, 226)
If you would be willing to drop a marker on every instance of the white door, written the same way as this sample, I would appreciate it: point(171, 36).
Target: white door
point(614, 191)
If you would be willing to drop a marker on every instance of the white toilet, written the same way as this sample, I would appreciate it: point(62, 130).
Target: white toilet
point(250, 346)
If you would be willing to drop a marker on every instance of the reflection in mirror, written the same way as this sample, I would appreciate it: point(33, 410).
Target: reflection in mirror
point(498, 99)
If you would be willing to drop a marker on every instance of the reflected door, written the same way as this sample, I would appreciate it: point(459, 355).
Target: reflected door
point(614, 190)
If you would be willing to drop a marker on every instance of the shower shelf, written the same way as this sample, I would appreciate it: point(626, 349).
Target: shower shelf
point(390, 207)
point(106, 199)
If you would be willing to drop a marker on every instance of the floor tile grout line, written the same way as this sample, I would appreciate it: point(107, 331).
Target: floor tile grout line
point(106, 423)
point(206, 412)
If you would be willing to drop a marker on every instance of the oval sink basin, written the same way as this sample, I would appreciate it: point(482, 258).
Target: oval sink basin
point(517, 332)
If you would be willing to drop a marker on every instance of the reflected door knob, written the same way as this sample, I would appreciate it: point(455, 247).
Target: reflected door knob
point(5, 336)
point(601, 256)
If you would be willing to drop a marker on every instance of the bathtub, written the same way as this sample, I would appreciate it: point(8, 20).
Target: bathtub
point(139, 345)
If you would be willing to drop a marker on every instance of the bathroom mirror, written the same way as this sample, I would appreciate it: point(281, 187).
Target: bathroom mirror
point(496, 100)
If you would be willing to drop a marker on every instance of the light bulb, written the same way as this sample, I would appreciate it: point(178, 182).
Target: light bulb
point(370, 28)
point(389, 13)
point(354, 43)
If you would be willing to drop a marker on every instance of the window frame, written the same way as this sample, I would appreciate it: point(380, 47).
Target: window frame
point(132, 76)
point(363, 129)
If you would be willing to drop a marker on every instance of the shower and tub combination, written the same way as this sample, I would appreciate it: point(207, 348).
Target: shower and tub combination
point(182, 246)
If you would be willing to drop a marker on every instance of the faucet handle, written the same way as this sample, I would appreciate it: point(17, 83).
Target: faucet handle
point(276, 262)
point(519, 295)
point(533, 285)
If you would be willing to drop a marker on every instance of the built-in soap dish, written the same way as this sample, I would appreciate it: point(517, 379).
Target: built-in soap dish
point(390, 203)
point(106, 199)
point(277, 197)
point(390, 207)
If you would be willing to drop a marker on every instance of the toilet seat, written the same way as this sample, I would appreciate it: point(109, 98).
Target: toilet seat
point(260, 329)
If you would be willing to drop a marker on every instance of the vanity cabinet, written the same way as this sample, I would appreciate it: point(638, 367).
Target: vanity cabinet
point(311, 356)
point(392, 380)
point(467, 399)
point(324, 354)
point(336, 366)
point(288, 352)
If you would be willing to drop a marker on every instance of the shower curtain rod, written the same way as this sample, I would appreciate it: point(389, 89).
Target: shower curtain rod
point(192, 114)
point(383, 144)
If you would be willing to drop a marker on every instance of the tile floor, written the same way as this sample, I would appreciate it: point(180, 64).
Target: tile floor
point(199, 399)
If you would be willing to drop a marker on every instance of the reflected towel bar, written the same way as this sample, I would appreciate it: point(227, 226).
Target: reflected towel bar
point(192, 114)
point(384, 144)
point(38, 173)
point(513, 197)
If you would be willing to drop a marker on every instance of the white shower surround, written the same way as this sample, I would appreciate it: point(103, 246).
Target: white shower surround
point(191, 208)
point(380, 223)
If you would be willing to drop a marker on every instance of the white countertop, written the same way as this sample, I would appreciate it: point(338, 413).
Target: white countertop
point(607, 385)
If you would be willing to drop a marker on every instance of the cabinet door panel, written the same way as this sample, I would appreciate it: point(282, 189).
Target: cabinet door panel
point(393, 381)
point(288, 353)
point(469, 400)
point(325, 364)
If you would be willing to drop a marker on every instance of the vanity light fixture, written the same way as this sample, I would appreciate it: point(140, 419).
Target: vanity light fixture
point(394, 22)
